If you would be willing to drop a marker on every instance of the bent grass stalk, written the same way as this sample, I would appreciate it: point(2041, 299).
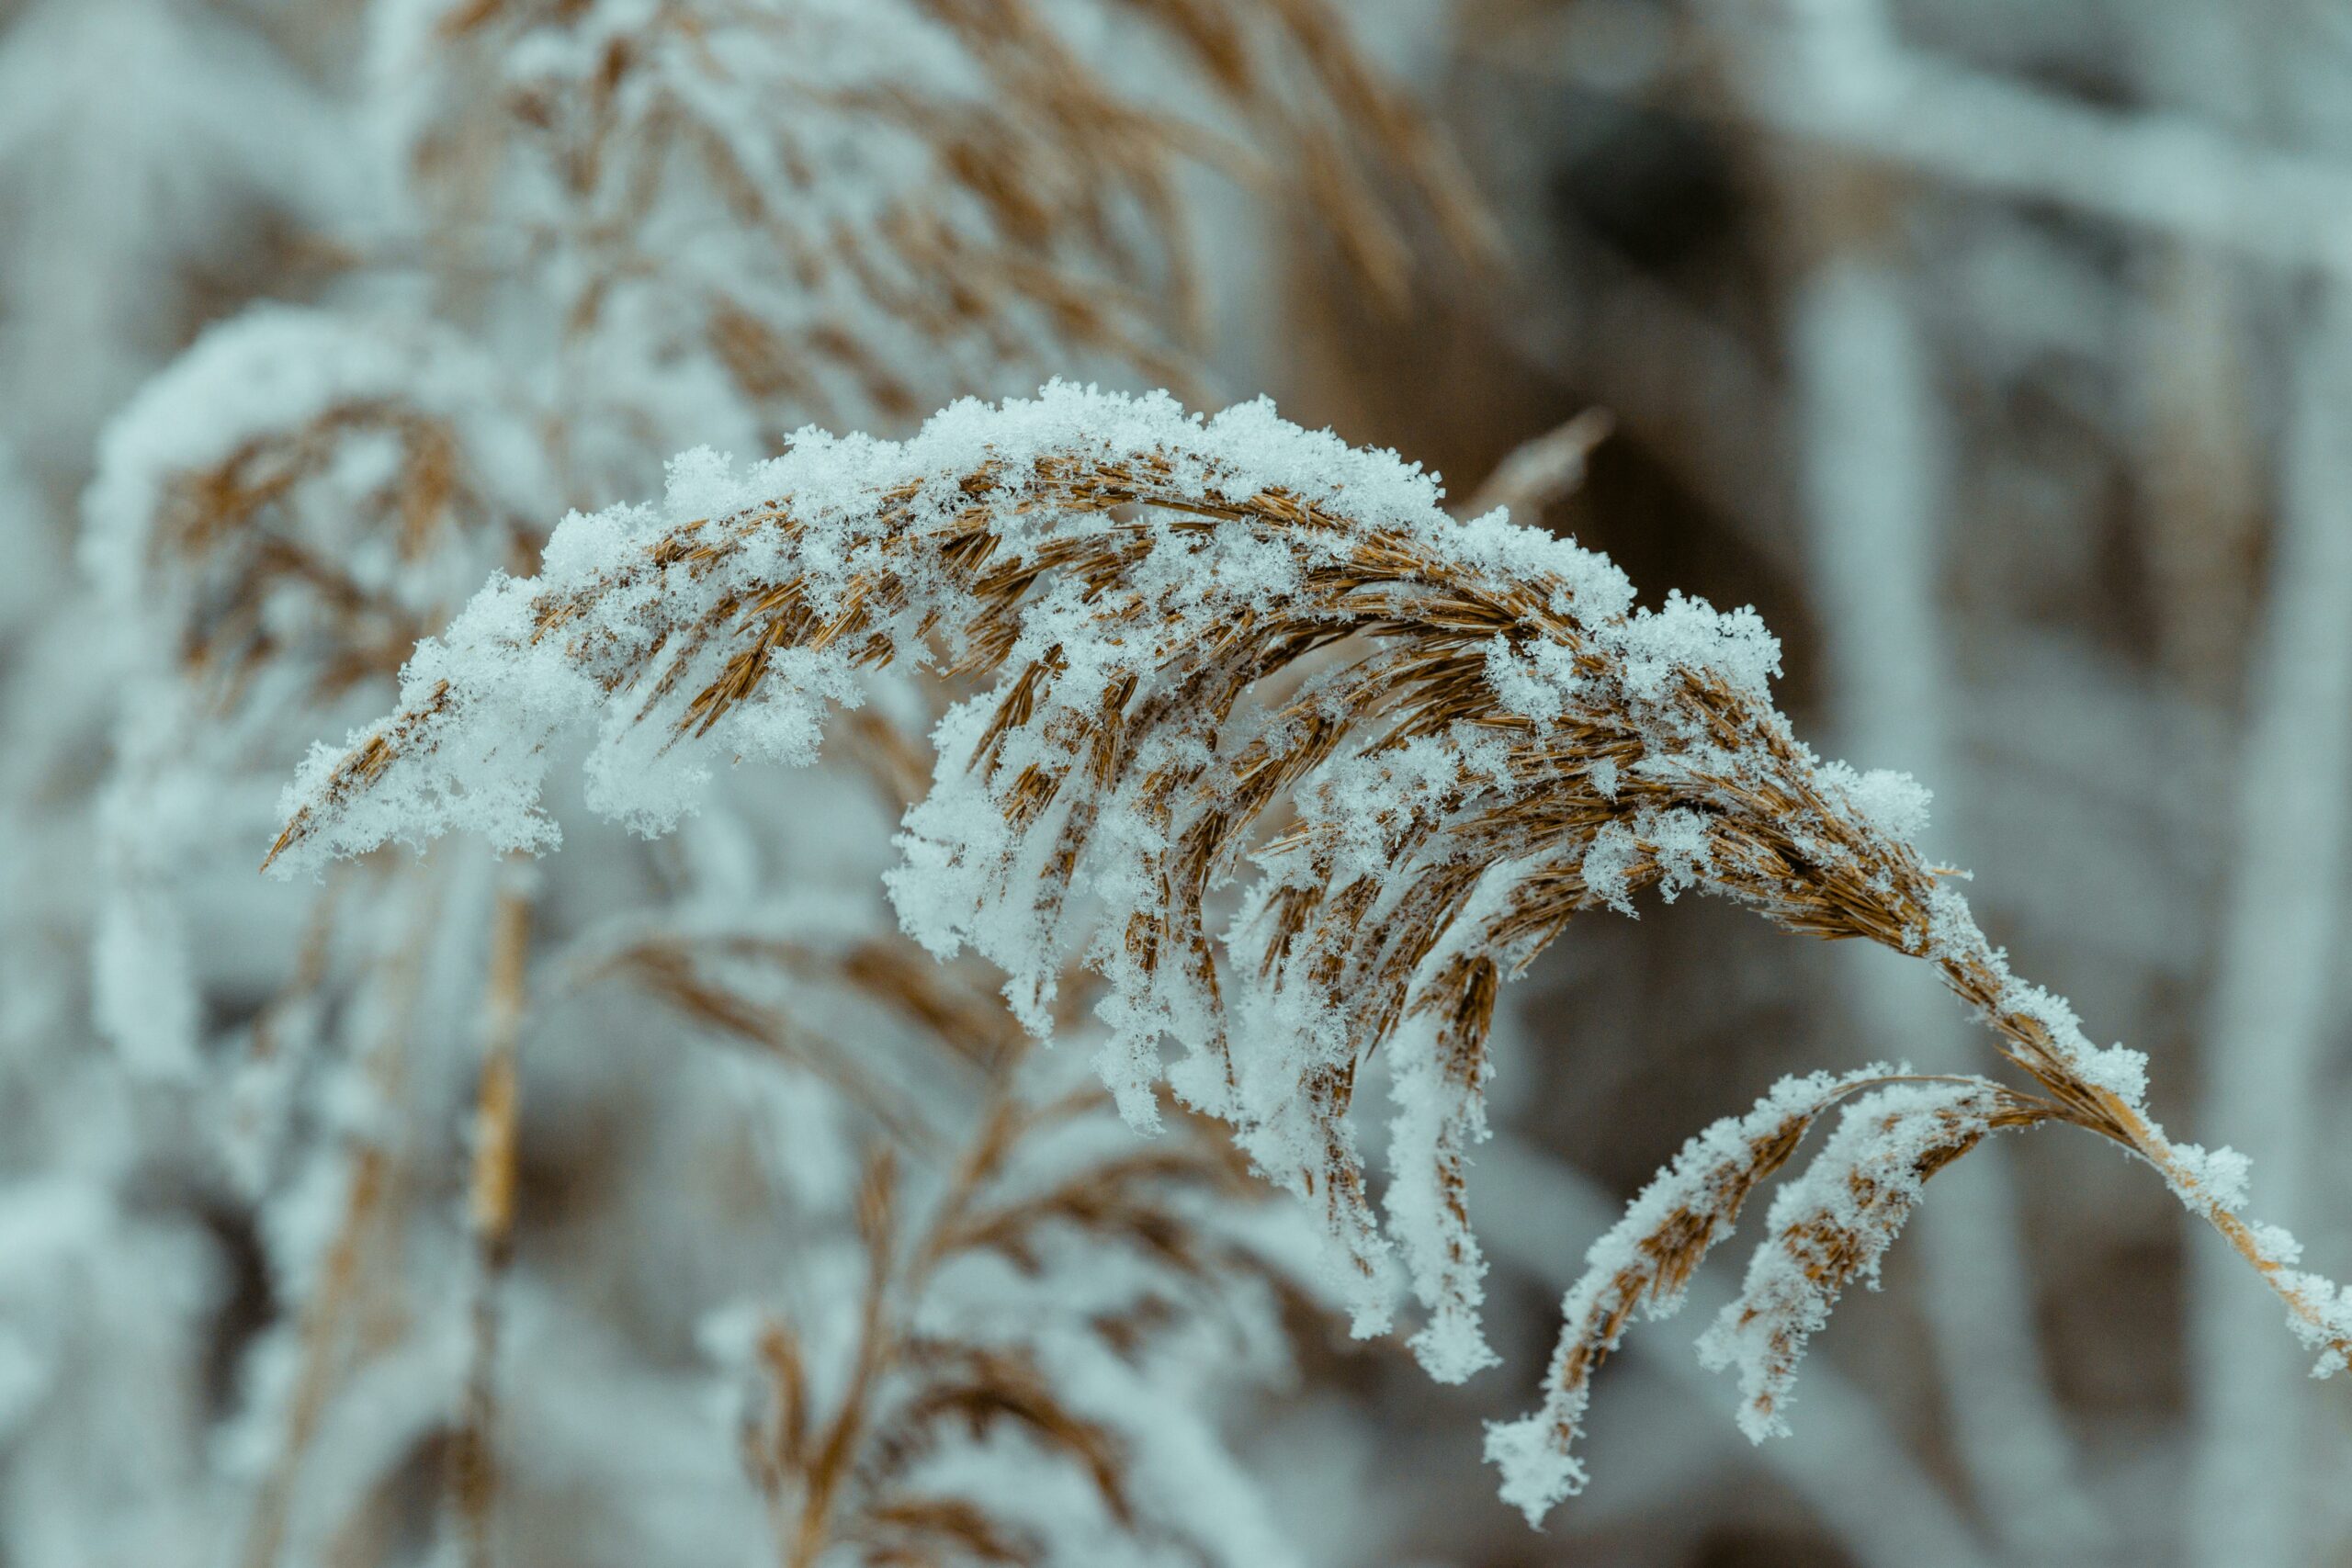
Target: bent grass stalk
point(1475, 736)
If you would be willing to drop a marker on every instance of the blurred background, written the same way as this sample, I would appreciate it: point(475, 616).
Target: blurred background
point(1999, 351)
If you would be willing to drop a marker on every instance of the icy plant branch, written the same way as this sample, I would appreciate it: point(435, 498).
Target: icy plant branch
point(1231, 654)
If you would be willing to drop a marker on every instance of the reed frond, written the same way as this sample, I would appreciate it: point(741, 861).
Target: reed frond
point(1482, 736)
point(855, 211)
point(1017, 1284)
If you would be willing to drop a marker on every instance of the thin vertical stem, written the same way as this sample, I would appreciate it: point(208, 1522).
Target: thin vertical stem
point(473, 1472)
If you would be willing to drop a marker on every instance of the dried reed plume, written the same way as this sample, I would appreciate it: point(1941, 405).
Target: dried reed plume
point(1229, 651)
point(853, 1460)
point(855, 211)
point(304, 495)
point(278, 517)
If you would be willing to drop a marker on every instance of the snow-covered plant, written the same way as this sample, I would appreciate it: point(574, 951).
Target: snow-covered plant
point(646, 1203)
point(277, 518)
point(1228, 654)
point(994, 1353)
point(723, 219)
point(601, 226)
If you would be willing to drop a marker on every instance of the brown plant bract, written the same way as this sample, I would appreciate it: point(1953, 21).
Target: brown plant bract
point(1409, 634)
